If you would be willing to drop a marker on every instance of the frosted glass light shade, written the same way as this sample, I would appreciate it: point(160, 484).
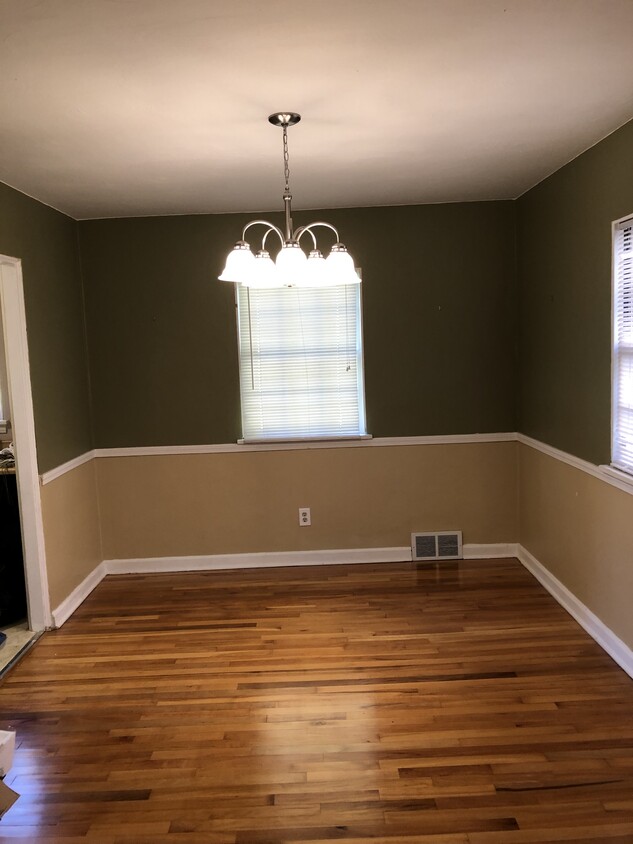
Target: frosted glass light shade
point(316, 274)
point(264, 273)
point(291, 264)
point(340, 266)
point(239, 264)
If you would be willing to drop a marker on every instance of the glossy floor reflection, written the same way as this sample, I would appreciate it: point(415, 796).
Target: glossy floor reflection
point(452, 704)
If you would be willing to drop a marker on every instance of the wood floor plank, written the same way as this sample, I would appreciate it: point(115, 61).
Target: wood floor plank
point(452, 704)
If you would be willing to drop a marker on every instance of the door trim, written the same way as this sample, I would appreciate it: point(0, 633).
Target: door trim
point(23, 430)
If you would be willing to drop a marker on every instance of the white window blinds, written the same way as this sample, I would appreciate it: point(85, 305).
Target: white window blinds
point(301, 373)
point(622, 456)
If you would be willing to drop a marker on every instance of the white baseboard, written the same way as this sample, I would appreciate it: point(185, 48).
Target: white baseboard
point(218, 562)
point(494, 551)
point(279, 559)
point(215, 562)
point(68, 606)
point(606, 638)
point(225, 562)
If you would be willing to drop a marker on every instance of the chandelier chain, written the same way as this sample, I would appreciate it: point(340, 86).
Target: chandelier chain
point(286, 160)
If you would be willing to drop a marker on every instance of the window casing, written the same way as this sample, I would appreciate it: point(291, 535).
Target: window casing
point(301, 363)
point(622, 415)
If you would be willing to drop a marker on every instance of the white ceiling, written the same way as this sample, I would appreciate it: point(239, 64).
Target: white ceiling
point(139, 107)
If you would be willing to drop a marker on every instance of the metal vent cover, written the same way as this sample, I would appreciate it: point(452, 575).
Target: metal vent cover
point(437, 545)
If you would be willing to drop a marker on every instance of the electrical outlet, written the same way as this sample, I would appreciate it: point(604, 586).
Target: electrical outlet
point(304, 516)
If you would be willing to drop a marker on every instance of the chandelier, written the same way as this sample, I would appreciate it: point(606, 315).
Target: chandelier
point(292, 267)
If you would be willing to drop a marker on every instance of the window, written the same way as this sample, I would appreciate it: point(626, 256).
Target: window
point(622, 450)
point(301, 372)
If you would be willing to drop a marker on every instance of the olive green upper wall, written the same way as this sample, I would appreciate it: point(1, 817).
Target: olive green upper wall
point(440, 323)
point(439, 298)
point(46, 242)
point(564, 260)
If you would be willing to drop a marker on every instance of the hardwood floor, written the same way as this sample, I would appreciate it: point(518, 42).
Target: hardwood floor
point(456, 704)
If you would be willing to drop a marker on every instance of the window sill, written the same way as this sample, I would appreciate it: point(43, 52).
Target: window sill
point(306, 442)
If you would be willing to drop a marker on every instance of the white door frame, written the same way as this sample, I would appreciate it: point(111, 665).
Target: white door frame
point(23, 432)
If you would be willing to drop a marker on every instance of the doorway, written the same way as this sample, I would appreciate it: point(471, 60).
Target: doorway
point(25, 470)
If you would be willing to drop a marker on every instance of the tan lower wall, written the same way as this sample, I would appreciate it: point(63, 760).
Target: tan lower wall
point(581, 529)
point(71, 530)
point(578, 526)
point(364, 497)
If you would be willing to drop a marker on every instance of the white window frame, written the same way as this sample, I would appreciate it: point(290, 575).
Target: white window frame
point(362, 433)
point(618, 460)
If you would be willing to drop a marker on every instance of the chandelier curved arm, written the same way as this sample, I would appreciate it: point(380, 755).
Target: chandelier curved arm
point(301, 231)
point(271, 228)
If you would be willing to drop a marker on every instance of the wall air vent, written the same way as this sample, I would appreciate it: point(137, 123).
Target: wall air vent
point(441, 545)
